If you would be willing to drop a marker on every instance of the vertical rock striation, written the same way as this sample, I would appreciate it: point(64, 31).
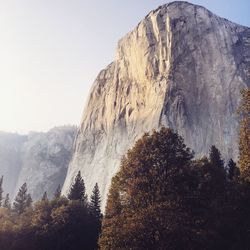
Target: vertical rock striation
point(10, 160)
point(44, 159)
point(181, 67)
point(40, 159)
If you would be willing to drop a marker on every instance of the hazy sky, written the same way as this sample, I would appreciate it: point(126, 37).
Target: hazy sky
point(52, 50)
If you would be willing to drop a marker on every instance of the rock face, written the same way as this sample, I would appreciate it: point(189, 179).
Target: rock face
point(40, 159)
point(10, 159)
point(181, 67)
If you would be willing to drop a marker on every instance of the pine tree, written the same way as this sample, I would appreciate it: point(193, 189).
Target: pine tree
point(217, 171)
point(1, 191)
point(77, 190)
point(29, 201)
point(45, 196)
point(7, 202)
point(58, 191)
point(215, 157)
point(95, 203)
point(233, 170)
point(22, 200)
point(244, 143)
point(96, 216)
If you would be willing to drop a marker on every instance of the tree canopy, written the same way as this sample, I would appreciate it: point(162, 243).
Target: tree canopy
point(57, 224)
point(244, 142)
point(164, 199)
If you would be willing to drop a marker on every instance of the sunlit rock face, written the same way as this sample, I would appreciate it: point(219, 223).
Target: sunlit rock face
point(182, 67)
point(39, 159)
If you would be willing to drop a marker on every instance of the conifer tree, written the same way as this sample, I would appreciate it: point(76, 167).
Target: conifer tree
point(233, 170)
point(45, 196)
point(244, 143)
point(215, 157)
point(29, 201)
point(217, 171)
point(95, 202)
point(77, 190)
point(6, 203)
point(22, 201)
point(95, 215)
point(1, 191)
point(57, 193)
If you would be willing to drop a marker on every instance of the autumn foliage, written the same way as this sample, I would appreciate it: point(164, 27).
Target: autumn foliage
point(244, 143)
point(164, 199)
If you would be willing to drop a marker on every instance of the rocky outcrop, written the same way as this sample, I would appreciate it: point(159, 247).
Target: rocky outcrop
point(181, 67)
point(40, 159)
point(45, 159)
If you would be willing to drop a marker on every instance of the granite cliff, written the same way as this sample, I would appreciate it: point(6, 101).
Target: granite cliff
point(40, 159)
point(181, 67)
point(10, 159)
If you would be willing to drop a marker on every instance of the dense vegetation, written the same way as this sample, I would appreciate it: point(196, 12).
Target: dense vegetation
point(162, 198)
point(60, 223)
point(244, 144)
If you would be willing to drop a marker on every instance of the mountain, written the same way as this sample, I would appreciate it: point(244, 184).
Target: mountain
point(10, 159)
point(181, 67)
point(40, 159)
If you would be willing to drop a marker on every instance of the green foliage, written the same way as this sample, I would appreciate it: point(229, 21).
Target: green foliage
point(77, 190)
point(58, 224)
point(95, 213)
point(95, 203)
point(22, 201)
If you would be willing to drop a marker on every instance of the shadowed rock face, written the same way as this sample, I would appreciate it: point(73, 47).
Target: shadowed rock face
point(181, 67)
point(10, 160)
point(40, 159)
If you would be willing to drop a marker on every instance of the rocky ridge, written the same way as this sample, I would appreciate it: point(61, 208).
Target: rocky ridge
point(39, 159)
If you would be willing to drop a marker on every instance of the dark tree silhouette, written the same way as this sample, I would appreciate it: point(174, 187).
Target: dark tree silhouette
point(95, 202)
point(22, 201)
point(58, 191)
point(233, 170)
point(77, 190)
point(215, 157)
point(6, 203)
point(45, 196)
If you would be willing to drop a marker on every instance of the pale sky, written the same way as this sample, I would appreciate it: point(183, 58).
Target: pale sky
point(52, 50)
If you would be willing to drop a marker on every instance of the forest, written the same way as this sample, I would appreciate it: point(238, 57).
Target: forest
point(70, 222)
point(163, 197)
